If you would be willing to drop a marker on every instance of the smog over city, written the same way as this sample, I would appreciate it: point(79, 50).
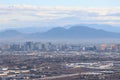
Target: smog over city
point(59, 39)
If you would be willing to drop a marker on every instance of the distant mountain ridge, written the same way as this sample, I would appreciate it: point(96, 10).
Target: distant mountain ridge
point(74, 32)
point(77, 32)
point(10, 33)
point(106, 27)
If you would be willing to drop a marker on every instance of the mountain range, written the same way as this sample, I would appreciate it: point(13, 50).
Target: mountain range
point(74, 32)
point(106, 27)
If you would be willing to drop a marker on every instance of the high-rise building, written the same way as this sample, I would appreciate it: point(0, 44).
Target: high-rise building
point(15, 47)
point(38, 46)
point(113, 47)
point(103, 47)
point(29, 46)
point(48, 46)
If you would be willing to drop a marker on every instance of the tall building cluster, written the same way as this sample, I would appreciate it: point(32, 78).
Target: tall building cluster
point(48, 46)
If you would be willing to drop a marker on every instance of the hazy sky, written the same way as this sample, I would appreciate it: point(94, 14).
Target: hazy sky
point(71, 3)
point(39, 13)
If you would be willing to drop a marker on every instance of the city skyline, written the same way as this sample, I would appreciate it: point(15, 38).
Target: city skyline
point(59, 39)
point(38, 13)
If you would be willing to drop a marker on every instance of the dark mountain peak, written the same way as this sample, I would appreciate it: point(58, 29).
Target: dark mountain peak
point(79, 32)
point(56, 30)
point(79, 28)
point(74, 32)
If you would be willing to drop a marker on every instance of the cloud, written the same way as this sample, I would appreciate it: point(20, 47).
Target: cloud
point(26, 15)
point(114, 14)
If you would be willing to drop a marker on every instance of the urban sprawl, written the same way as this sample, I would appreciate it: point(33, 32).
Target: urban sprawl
point(59, 61)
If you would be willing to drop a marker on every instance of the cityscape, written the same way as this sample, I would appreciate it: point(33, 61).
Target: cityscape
point(31, 46)
point(59, 39)
point(55, 61)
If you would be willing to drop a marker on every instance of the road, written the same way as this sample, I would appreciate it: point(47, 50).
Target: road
point(61, 76)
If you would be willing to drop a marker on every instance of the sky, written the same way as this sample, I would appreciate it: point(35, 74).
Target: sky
point(49, 13)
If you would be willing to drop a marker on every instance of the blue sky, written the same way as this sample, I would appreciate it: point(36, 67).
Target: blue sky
point(41, 13)
point(73, 3)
